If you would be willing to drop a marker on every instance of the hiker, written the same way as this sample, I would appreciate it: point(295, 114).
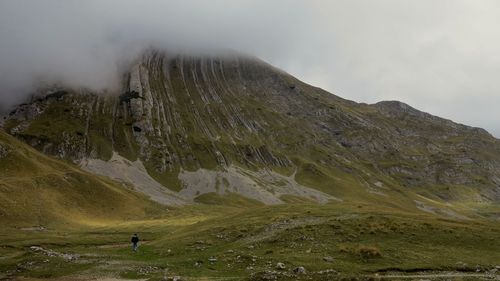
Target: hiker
point(135, 242)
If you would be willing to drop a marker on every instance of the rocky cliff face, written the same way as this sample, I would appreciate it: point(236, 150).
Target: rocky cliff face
point(222, 118)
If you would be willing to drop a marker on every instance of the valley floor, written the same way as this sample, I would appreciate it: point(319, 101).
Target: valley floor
point(285, 242)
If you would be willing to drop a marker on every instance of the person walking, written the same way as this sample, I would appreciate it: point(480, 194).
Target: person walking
point(135, 242)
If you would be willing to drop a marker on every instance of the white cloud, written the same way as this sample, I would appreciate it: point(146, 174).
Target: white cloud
point(440, 56)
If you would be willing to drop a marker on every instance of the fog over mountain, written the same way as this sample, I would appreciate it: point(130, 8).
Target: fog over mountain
point(438, 56)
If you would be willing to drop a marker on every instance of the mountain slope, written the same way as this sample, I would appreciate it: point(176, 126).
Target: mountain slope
point(37, 190)
point(223, 125)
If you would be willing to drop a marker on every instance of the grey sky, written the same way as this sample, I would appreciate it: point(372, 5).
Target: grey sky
point(439, 56)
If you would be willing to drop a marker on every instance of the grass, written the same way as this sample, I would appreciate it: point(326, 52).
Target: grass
point(254, 239)
point(230, 199)
point(246, 237)
point(36, 189)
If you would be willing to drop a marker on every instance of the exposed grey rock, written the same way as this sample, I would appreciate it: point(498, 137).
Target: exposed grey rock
point(280, 266)
point(134, 173)
point(327, 272)
point(299, 270)
point(328, 259)
point(51, 253)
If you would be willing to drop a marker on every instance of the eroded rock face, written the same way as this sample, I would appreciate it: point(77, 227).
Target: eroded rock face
point(135, 174)
point(265, 186)
point(191, 114)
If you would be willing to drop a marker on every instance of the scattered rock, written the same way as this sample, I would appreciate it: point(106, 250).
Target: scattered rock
point(280, 266)
point(327, 272)
point(328, 259)
point(265, 276)
point(50, 253)
point(299, 270)
point(148, 270)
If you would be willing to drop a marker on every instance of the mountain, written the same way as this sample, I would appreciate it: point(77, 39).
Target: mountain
point(203, 128)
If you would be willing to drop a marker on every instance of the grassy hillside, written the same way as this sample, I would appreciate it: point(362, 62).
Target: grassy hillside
point(207, 242)
point(39, 190)
point(58, 222)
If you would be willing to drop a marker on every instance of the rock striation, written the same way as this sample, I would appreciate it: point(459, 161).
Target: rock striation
point(219, 119)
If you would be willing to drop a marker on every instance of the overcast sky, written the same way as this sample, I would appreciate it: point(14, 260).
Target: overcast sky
point(439, 56)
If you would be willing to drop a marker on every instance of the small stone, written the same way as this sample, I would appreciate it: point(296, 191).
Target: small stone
point(328, 259)
point(299, 270)
point(280, 266)
point(212, 259)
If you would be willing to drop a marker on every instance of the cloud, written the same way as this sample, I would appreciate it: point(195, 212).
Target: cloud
point(83, 43)
point(439, 56)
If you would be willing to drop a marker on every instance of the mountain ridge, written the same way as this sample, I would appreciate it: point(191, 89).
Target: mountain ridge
point(183, 113)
